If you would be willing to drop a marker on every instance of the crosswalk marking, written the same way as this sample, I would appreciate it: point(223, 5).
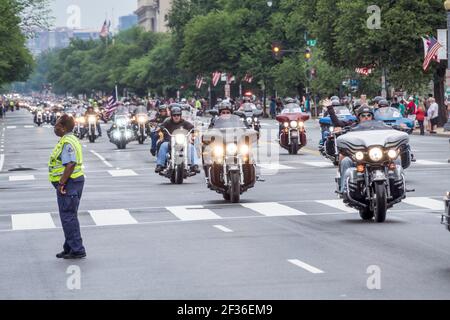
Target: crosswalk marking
point(122, 173)
point(21, 178)
point(429, 163)
point(338, 204)
point(273, 166)
point(192, 213)
point(424, 202)
point(32, 221)
point(28, 126)
point(112, 217)
point(222, 228)
point(305, 266)
point(318, 164)
point(11, 127)
point(272, 209)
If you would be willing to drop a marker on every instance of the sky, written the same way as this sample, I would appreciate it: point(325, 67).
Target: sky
point(92, 12)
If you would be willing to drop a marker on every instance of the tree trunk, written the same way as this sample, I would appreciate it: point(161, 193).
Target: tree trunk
point(439, 92)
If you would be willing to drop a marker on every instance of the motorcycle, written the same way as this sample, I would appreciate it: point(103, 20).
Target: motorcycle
point(140, 123)
point(251, 115)
point(445, 220)
point(39, 117)
point(292, 128)
point(229, 162)
point(48, 116)
point(392, 117)
point(79, 130)
point(121, 133)
point(91, 127)
point(377, 183)
point(178, 158)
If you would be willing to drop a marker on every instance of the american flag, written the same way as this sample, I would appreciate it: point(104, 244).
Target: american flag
point(105, 29)
point(199, 82)
point(433, 47)
point(111, 105)
point(230, 78)
point(248, 78)
point(216, 77)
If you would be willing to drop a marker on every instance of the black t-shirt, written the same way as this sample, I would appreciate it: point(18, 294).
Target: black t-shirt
point(172, 126)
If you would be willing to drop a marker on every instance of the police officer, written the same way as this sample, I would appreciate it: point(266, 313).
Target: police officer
point(67, 176)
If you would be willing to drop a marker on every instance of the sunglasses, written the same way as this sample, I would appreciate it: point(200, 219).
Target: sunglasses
point(365, 115)
point(225, 112)
point(177, 115)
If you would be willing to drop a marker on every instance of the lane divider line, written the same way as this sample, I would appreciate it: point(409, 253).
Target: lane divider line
point(2, 161)
point(305, 266)
point(102, 159)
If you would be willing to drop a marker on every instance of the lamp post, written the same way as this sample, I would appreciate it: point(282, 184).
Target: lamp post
point(447, 76)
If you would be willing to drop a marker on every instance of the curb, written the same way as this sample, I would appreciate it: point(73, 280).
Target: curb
point(442, 135)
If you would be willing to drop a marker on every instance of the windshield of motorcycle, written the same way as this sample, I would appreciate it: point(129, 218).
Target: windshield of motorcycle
point(372, 125)
point(249, 107)
point(291, 108)
point(141, 110)
point(342, 111)
point(229, 121)
point(388, 112)
point(122, 110)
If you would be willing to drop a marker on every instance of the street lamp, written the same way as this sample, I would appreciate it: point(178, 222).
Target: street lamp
point(447, 8)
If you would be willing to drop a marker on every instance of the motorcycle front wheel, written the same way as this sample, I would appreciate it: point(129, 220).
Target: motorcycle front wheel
point(380, 208)
point(178, 174)
point(235, 187)
point(294, 147)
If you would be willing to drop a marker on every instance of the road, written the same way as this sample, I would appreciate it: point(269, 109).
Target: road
point(290, 238)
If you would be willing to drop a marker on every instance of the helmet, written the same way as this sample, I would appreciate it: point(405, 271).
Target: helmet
point(225, 105)
point(175, 111)
point(383, 103)
point(247, 99)
point(377, 99)
point(334, 98)
point(162, 107)
point(335, 103)
point(364, 109)
point(357, 104)
point(289, 100)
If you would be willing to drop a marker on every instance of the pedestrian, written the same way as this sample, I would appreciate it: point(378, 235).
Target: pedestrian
point(433, 114)
point(402, 107)
point(411, 109)
point(273, 107)
point(420, 117)
point(67, 176)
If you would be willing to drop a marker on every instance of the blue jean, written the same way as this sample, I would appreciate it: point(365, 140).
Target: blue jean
point(154, 136)
point(68, 211)
point(164, 149)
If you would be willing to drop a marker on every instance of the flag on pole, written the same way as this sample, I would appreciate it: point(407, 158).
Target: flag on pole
point(111, 105)
point(432, 47)
point(230, 78)
point(216, 77)
point(248, 78)
point(105, 29)
point(199, 82)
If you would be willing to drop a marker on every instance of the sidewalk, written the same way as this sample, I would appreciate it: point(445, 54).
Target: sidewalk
point(440, 133)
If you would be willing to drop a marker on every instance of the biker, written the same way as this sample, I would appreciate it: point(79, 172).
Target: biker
point(225, 111)
point(383, 103)
point(159, 119)
point(91, 112)
point(175, 122)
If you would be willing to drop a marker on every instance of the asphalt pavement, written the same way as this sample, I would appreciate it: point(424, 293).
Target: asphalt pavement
point(290, 238)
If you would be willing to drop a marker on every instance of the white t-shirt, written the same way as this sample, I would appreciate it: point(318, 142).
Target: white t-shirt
point(433, 111)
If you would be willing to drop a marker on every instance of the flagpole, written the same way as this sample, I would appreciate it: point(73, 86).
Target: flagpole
point(117, 94)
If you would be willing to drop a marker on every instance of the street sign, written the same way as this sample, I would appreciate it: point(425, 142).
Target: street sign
point(312, 42)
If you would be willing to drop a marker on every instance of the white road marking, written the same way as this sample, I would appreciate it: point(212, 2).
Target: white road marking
point(102, 159)
point(28, 126)
point(222, 228)
point(318, 164)
point(112, 217)
point(122, 173)
point(338, 204)
point(193, 213)
point(2, 161)
point(21, 178)
point(32, 221)
point(274, 166)
point(429, 163)
point(424, 202)
point(272, 209)
point(305, 266)
point(11, 127)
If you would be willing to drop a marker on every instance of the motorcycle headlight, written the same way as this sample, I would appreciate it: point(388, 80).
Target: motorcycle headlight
point(249, 120)
point(121, 122)
point(232, 149)
point(180, 139)
point(301, 124)
point(331, 129)
point(392, 154)
point(376, 154)
point(218, 151)
point(58, 114)
point(359, 155)
point(255, 119)
point(286, 124)
point(80, 120)
point(92, 119)
point(142, 119)
point(116, 134)
point(294, 124)
point(244, 149)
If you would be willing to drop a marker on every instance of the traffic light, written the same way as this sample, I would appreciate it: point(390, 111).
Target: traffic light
point(277, 50)
point(308, 54)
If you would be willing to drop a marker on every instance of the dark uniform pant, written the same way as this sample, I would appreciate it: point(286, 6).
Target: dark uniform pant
point(68, 211)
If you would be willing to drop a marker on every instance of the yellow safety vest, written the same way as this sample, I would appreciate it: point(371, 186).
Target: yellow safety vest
point(55, 166)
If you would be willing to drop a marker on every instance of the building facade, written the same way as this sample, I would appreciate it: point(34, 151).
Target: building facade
point(127, 22)
point(152, 14)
